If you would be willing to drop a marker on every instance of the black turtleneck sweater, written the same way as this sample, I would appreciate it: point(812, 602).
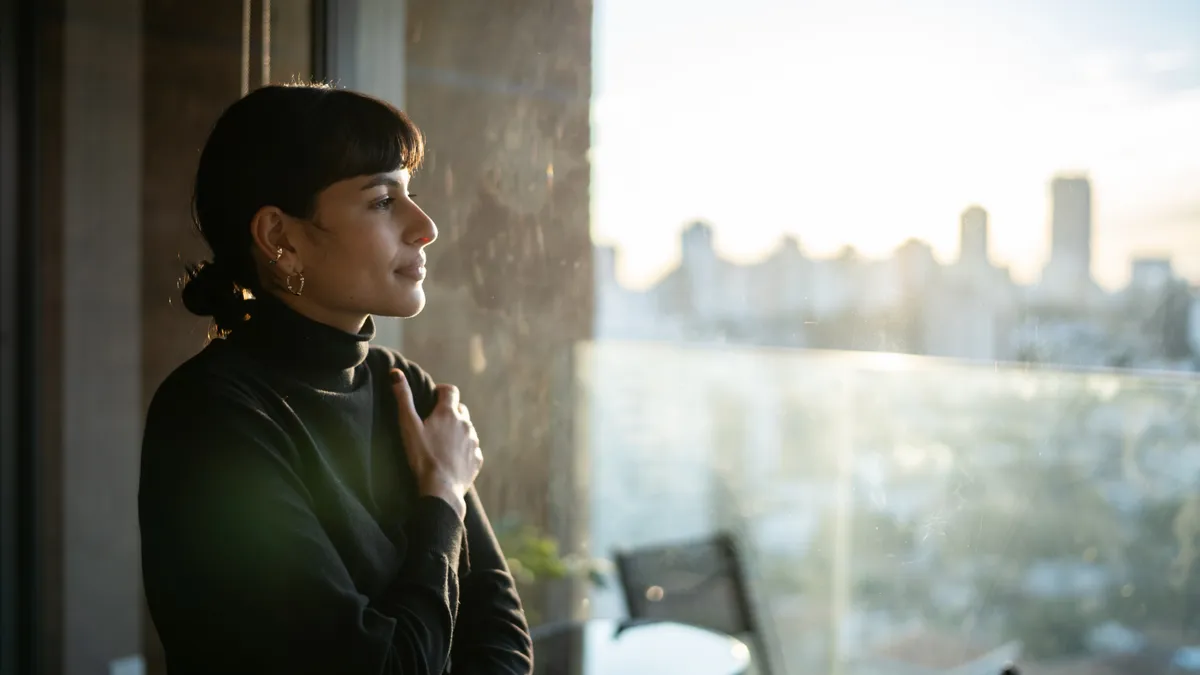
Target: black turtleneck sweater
point(282, 531)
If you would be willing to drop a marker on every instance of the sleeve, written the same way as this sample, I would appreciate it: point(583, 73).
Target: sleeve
point(239, 573)
point(492, 636)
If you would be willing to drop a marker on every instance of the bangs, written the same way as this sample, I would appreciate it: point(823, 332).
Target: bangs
point(357, 135)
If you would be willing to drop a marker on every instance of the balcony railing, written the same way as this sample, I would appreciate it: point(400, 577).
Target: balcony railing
point(905, 514)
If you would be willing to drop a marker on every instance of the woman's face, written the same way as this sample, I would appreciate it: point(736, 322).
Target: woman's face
point(362, 253)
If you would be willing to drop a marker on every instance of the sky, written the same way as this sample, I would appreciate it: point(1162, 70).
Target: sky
point(869, 122)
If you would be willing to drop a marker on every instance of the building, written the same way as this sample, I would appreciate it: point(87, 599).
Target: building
point(1150, 274)
point(1068, 275)
point(973, 237)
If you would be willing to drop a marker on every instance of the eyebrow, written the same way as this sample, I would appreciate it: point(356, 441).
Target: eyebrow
point(381, 179)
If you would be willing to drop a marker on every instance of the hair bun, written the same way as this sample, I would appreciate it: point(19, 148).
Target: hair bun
point(209, 290)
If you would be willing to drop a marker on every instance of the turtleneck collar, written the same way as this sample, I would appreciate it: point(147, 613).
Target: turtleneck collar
point(321, 355)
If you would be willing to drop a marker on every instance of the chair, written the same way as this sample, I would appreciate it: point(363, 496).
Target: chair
point(700, 583)
point(558, 648)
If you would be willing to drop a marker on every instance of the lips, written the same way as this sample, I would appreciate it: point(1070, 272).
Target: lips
point(414, 270)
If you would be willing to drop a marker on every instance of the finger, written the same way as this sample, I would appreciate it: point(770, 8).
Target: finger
point(479, 455)
point(447, 397)
point(473, 435)
point(410, 421)
point(462, 410)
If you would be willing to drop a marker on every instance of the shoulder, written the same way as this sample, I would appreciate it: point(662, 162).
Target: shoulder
point(212, 394)
point(390, 358)
point(211, 428)
point(217, 374)
point(382, 359)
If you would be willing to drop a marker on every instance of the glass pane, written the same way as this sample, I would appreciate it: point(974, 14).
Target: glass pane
point(995, 201)
point(977, 514)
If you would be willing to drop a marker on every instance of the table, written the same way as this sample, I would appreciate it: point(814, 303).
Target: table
point(595, 647)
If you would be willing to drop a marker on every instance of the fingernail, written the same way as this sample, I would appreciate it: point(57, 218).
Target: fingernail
point(396, 377)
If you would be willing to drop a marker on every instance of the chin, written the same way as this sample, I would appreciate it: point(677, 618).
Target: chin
point(408, 306)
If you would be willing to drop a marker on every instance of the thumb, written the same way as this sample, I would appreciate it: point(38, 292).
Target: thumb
point(410, 421)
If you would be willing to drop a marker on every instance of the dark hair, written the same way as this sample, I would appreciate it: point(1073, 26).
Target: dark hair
point(281, 146)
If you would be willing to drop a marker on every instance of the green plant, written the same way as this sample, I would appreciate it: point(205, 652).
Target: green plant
point(534, 556)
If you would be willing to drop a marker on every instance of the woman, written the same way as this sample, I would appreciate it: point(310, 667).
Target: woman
point(306, 502)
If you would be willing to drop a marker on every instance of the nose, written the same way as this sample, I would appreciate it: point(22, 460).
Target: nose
point(420, 230)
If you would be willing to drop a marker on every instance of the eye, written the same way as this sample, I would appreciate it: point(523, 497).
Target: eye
point(383, 203)
point(412, 196)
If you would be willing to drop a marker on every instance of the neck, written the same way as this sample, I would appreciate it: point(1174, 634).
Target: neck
point(306, 348)
point(346, 322)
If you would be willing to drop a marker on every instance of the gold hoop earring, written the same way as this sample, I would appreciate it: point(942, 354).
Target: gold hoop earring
point(300, 288)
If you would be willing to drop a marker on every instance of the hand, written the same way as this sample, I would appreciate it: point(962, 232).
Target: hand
point(443, 450)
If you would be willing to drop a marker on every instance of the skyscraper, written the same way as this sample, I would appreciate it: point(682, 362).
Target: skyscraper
point(973, 237)
point(1069, 272)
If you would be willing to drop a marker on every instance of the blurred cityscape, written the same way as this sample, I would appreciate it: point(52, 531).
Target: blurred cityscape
point(911, 303)
point(910, 514)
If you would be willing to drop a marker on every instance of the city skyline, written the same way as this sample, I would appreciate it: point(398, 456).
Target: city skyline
point(856, 124)
point(974, 231)
point(967, 308)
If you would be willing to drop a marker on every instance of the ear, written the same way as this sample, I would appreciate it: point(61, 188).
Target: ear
point(269, 230)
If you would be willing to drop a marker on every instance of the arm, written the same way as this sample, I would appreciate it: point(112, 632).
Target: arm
point(492, 635)
point(240, 575)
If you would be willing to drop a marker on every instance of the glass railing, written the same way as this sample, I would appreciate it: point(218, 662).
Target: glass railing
point(904, 514)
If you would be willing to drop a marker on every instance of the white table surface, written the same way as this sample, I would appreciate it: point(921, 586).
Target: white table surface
point(651, 649)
